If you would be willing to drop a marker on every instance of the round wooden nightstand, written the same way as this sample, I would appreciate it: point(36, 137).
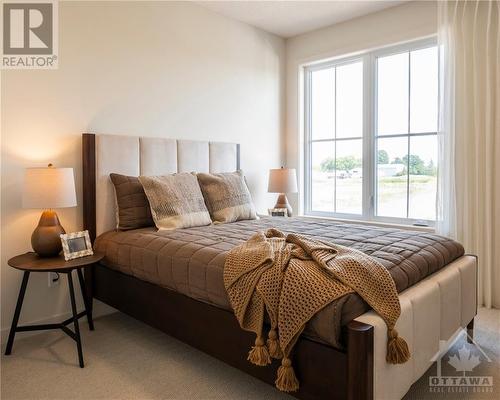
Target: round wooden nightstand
point(31, 262)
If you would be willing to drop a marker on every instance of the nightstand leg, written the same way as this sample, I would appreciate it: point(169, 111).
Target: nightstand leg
point(17, 312)
point(77, 328)
point(86, 300)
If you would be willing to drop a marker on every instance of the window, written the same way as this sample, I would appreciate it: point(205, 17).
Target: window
point(371, 135)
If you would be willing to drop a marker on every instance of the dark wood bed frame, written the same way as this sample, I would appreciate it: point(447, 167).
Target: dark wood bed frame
point(324, 372)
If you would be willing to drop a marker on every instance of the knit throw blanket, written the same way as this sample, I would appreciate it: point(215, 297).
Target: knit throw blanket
point(291, 278)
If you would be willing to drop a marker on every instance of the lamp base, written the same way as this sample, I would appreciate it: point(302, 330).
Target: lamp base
point(45, 239)
point(282, 202)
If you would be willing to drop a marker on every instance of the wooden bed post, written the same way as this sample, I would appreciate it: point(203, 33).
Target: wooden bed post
point(359, 361)
point(89, 200)
point(470, 331)
point(470, 325)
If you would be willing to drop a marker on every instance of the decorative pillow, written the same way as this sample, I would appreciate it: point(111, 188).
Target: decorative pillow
point(227, 196)
point(176, 201)
point(132, 206)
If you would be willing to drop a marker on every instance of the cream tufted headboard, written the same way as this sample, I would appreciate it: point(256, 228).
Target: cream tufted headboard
point(133, 155)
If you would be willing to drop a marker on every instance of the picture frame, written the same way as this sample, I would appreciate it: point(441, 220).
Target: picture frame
point(76, 245)
point(278, 212)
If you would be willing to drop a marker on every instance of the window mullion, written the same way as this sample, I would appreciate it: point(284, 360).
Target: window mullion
point(308, 143)
point(335, 141)
point(309, 172)
point(368, 136)
point(409, 124)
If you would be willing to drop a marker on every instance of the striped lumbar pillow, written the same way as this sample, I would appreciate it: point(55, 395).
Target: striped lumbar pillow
point(176, 201)
point(227, 196)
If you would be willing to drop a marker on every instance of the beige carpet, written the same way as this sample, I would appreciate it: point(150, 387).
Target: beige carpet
point(126, 359)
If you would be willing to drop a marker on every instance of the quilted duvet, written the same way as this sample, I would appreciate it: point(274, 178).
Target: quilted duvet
point(191, 261)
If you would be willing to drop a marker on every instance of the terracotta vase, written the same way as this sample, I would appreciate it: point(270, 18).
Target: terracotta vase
point(45, 239)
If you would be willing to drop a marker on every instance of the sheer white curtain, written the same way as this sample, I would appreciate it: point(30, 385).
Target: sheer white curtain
point(469, 139)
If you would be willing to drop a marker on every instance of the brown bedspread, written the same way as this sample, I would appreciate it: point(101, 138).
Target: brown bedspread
point(191, 261)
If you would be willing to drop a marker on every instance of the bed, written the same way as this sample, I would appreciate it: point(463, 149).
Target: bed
point(172, 280)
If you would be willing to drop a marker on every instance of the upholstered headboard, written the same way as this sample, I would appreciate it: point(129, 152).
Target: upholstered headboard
point(133, 155)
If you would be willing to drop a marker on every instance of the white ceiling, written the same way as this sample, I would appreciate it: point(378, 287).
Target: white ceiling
point(291, 18)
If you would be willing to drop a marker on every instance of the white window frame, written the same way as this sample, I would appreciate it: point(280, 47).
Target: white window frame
point(369, 186)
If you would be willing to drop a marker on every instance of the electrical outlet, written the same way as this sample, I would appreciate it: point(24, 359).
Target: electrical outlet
point(53, 279)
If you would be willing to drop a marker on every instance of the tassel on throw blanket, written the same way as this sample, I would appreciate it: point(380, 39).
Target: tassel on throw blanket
point(291, 278)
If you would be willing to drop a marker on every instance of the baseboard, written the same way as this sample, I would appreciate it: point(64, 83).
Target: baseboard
point(99, 309)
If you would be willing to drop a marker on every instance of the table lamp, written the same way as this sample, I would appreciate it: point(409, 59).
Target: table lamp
point(282, 181)
point(48, 188)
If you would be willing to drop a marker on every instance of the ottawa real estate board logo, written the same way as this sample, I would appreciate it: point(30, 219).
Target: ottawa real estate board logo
point(29, 34)
point(459, 370)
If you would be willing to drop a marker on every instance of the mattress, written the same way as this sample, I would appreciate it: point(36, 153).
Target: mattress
point(191, 261)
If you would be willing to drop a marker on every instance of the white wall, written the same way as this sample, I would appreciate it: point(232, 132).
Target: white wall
point(155, 69)
point(394, 25)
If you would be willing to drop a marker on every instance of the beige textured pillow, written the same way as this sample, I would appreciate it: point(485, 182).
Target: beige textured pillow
point(176, 201)
point(227, 196)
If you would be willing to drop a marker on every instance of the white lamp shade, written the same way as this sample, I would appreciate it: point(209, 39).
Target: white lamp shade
point(49, 188)
point(282, 180)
